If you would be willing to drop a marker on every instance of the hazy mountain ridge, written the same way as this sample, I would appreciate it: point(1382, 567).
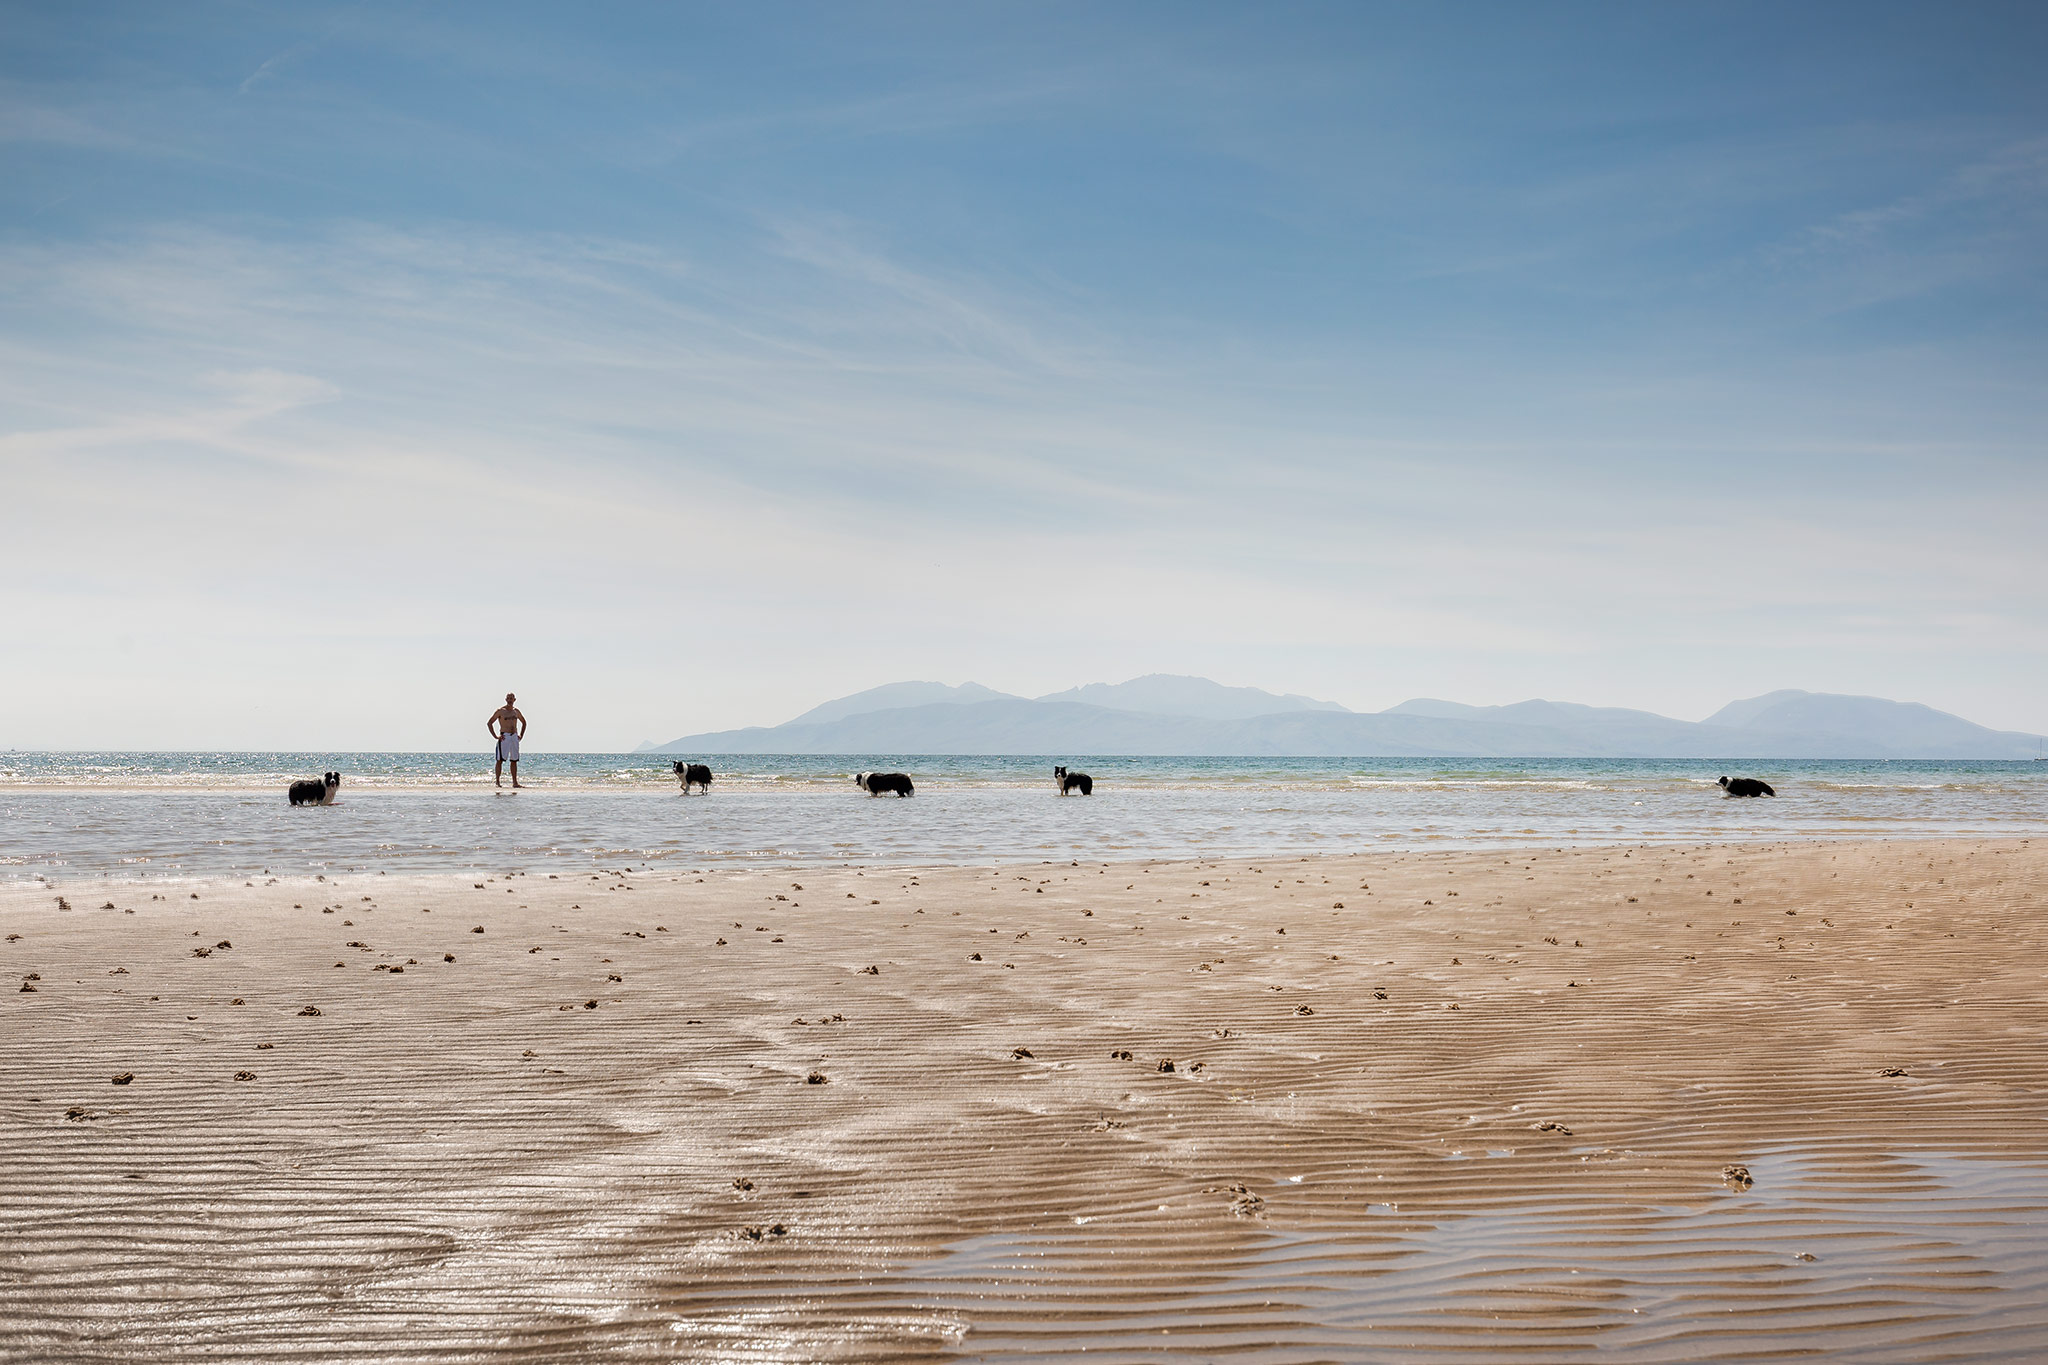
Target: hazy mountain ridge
point(972, 719)
point(891, 696)
point(1169, 694)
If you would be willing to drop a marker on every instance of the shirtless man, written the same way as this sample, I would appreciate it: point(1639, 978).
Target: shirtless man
point(501, 727)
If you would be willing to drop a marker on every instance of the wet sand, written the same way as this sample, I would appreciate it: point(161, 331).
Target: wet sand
point(1662, 1104)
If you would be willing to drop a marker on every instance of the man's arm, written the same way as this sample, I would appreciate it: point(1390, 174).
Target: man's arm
point(490, 726)
point(522, 723)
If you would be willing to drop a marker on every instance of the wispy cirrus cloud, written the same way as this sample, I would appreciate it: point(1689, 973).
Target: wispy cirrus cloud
point(273, 66)
point(1350, 352)
point(2010, 182)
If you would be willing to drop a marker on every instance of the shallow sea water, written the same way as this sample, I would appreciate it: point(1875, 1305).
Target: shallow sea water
point(220, 814)
point(1873, 1257)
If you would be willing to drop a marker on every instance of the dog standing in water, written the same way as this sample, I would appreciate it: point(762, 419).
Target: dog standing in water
point(1080, 782)
point(874, 784)
point(693, 775)
point(1746, 786)
point(312, 793)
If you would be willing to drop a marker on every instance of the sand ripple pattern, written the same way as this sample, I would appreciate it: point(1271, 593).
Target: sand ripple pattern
point(594, 1134)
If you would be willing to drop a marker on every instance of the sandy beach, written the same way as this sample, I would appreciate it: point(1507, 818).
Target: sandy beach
point(1699, 1103)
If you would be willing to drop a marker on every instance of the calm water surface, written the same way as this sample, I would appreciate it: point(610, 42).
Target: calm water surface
point(151, 814)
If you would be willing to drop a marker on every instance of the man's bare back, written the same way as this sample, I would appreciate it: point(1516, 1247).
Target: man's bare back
point(507, 726)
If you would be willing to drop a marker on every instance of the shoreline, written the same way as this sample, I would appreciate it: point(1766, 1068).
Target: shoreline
point(739, 864)
point(971, 816)
point(540, 1146)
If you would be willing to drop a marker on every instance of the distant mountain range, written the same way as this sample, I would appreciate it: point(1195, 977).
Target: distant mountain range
point(1163, 714)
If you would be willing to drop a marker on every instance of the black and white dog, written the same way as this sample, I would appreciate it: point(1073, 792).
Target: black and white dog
point(1080, 782)
point(1746, 786)
point(307, 792)
point(693, 774)
point(874, 784)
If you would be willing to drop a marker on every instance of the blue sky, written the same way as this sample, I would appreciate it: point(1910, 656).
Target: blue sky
point(680, 367)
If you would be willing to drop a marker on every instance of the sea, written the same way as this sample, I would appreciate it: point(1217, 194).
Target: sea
point(195, 815)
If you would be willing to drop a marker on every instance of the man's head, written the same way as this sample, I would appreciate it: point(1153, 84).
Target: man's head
point(509, 699)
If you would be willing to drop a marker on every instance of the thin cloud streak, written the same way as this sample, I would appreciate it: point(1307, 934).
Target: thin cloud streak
point(1356, 353)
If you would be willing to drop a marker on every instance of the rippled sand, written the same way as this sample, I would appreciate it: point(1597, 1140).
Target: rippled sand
point(594, 1133)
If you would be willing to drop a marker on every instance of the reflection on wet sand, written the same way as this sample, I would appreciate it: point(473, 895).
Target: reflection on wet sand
point(1396, 1106)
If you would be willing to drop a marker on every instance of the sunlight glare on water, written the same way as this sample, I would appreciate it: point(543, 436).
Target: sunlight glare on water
point(212, 814)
